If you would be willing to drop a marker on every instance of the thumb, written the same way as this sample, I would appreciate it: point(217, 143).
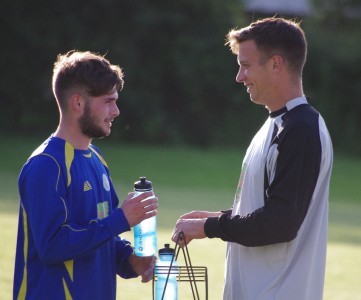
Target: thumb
point(148, 275)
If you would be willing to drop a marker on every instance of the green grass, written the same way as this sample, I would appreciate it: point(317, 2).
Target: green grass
point(187, 179)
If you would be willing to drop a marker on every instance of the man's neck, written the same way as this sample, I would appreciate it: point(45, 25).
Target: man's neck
point(72, 135)
point(285, 94)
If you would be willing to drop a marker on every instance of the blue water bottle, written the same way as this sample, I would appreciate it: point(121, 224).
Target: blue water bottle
point(145, 233)
point(166, 290)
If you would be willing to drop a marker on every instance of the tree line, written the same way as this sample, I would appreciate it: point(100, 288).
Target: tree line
point(180, 83)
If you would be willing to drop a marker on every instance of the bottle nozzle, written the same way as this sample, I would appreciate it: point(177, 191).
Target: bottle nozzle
point(143, 184)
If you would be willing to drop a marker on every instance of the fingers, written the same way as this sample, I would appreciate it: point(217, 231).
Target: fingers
point(143, 266)
point(150, 207)
point(181, 241)
point(147, 275)
point(191, 228)
point(139, 197)
point(177, 229)
point(148, 203)
point(177, 238)
point(197, 214)
point(189, 215)
point(140, 207)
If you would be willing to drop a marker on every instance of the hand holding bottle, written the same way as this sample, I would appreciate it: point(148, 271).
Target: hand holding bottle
point(140, 207)
point(145, 233)
point(143, 266)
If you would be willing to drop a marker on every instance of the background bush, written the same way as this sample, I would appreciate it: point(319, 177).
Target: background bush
point(180, 78)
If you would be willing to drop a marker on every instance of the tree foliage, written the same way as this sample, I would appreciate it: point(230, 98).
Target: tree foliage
point(179, 77)
point(333, 72)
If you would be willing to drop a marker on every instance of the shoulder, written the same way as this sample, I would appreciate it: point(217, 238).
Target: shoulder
point(302, 115)
point(52, 153)
point(301, 121)
point(300, 130)
point(54, 147)
point(98, 154)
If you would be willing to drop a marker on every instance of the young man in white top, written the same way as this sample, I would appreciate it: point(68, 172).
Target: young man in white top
point(276, 230)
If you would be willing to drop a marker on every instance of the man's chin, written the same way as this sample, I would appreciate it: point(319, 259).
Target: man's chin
point(256, 101)
point(98, 135)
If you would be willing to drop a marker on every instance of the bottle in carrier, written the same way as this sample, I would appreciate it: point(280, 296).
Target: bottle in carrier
point(145, 233)
point(166, 290)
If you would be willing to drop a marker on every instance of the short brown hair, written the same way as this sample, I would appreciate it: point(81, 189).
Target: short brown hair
point(85, 70)
point(274, 36)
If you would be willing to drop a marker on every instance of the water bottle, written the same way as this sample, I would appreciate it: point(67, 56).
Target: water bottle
point(166, 290)
point(145, 233)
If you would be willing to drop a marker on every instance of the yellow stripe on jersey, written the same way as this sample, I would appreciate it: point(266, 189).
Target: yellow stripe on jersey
point(69, 156)
point(69, 265)
point(99, 156)
point(66, 291)
point(22, 291)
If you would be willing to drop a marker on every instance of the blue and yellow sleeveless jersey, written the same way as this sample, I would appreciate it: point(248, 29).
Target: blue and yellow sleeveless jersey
point(68, 245)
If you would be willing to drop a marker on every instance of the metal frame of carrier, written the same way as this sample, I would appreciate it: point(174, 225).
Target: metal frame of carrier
point(187, 273)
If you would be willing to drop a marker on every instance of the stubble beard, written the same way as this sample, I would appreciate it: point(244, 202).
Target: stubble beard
point(88, 126)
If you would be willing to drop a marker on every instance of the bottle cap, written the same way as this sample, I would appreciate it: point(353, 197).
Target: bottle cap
point(166, 250)
point(143, 184)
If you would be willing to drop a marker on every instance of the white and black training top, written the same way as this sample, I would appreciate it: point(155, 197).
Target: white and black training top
point(277, 229)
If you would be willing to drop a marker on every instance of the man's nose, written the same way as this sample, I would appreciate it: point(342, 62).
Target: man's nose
point(115, 110)
point(240, 76)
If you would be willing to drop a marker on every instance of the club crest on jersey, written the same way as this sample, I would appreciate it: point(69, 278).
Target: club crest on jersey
point(106, 184)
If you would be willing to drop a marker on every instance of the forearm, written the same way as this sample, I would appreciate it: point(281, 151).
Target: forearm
point(70, 241)
point(263, 227)
point(289, 185)
point(124, 251)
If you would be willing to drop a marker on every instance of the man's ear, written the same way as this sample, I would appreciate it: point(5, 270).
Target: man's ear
point(277, 63)
point(77, 103)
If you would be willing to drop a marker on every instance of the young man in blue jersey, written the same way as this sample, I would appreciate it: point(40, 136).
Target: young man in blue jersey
point(70, 219)
point(276, 231)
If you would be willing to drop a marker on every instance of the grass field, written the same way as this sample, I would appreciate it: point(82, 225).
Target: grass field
point(188, 179)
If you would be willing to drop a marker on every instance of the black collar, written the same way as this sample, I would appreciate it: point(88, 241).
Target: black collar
point(278, 112)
